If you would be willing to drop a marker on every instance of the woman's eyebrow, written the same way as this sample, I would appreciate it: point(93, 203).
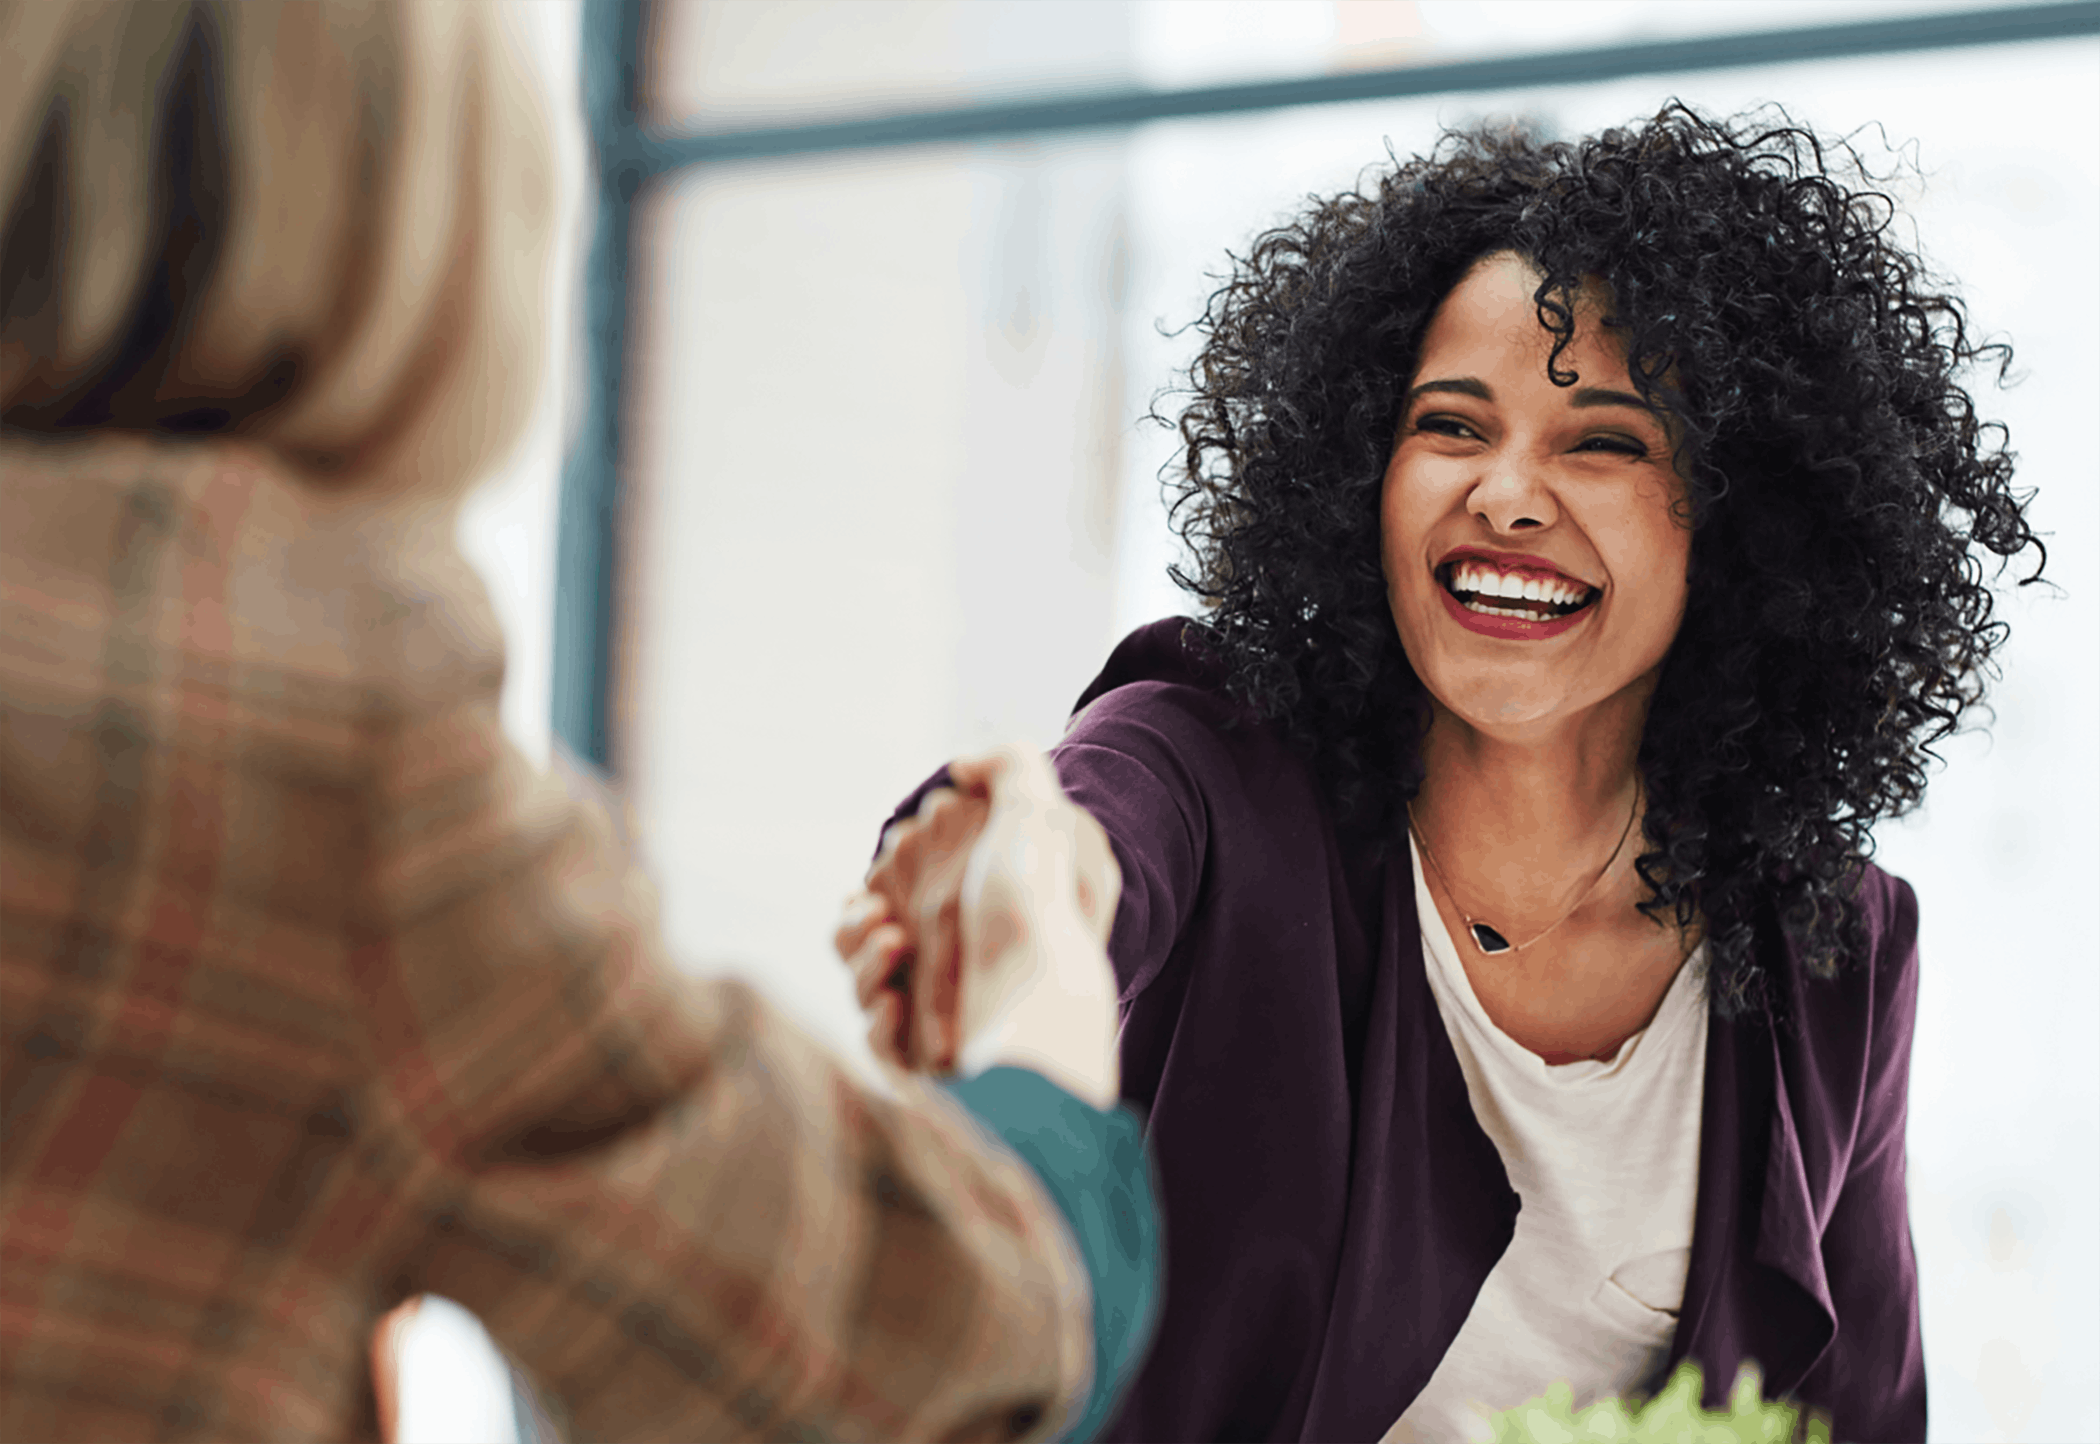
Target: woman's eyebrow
point(1463, 385)
point(1599, 396)
point(1585, 396)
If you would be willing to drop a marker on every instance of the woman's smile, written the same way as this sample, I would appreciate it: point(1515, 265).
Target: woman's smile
point(1513, 594)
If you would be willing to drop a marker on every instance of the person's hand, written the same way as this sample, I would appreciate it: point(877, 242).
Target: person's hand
point(877, 952)
point(1038, 902)
point(901, 936)
point(984, 927)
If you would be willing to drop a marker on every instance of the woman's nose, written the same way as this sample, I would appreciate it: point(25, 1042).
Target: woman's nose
point(1511, 495)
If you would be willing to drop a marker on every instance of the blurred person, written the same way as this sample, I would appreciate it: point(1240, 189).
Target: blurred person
point(314, 995)
point(1589, 537)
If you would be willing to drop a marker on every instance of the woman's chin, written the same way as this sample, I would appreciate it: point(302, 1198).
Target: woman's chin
point(1538, 705)
point(1509, 709)
point(1513, 717)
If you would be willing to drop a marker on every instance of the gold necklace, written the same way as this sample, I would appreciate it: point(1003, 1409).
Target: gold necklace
point(1488, 939)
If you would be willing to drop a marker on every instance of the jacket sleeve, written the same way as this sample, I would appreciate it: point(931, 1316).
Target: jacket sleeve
point(1094, 1164)
point(1876, 1365)
point(677, 1213)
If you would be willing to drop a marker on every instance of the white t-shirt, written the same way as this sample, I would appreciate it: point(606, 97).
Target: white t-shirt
point(1605, 1157)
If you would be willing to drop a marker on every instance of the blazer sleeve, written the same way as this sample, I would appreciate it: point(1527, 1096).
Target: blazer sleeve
point(675, 1211)
point(1876, 1364)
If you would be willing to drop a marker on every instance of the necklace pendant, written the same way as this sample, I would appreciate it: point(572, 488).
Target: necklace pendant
point(1487, 939)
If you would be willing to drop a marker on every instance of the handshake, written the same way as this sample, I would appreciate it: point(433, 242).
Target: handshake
point(981, 937)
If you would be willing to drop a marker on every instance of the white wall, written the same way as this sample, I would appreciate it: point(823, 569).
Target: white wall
point(876, 428)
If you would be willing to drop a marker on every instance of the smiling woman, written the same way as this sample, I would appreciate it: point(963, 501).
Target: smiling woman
point(1589, 539)
point(1537, 696)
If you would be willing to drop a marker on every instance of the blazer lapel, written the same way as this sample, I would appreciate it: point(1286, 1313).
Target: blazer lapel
point(1802, 1322)
point(1756, 1289)
point(1430, 1206)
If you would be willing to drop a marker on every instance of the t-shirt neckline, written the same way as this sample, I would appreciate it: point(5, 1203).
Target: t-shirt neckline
point(1680, 1002)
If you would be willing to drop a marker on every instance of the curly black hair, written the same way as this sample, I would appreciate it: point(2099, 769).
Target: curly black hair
point(1840, 487)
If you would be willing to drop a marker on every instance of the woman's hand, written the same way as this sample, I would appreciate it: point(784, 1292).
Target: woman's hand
point(902, 937)
point(982, 936)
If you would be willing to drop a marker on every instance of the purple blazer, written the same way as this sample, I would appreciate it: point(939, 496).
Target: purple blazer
point(1331, 1207)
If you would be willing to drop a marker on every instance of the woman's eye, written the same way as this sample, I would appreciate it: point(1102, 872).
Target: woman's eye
point(1620, 445)
point(1445, 426)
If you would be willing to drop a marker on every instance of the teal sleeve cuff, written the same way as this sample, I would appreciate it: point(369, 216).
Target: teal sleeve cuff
point(1095, 1165)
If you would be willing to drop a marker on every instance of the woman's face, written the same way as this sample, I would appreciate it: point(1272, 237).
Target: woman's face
point(1534, 557)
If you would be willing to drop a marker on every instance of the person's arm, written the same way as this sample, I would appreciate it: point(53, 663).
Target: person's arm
point(1095, 1164)
point(983, 939)
point(678, 1213)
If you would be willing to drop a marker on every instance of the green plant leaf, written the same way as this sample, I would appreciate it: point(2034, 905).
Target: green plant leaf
point(1673, 1416)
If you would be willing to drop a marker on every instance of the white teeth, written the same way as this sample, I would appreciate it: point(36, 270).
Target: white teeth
point(1482, 581)
point(1487, 610)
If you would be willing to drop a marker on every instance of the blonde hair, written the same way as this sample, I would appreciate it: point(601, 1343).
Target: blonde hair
point(320, 226)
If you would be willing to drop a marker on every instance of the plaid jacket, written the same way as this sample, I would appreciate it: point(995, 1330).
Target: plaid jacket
point(314, 996)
